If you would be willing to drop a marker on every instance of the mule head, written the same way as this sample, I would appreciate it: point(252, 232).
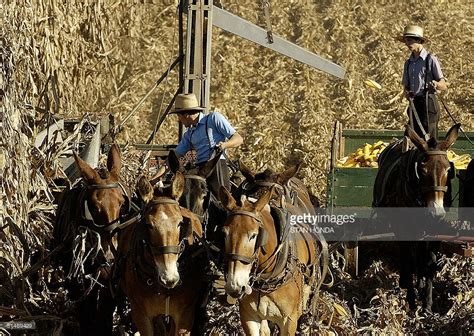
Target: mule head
point(196, 189)
point(246, 238)
point(433, 169)
point(104, 197)
point(166, 226)
point(257, 184)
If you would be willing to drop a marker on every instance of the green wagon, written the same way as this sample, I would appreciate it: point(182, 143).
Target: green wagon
point(352, 187)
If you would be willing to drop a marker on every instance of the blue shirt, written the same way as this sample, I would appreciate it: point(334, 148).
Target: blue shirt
point(414, 72)
point(196, 137)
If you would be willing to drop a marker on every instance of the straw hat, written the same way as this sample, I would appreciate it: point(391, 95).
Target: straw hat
point(186, 102)
point(412, 31)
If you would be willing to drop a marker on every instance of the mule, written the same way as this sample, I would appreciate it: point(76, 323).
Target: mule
point(162, 264)
point(198, 198)
point(418, 178)
point(86, 217)
point(265, 273)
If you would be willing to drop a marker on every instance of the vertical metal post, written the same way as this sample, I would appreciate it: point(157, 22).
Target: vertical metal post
point(207, 70)
point(198, 50)
point(181, 42)
point(198, 46)
point(189, 46)
point(181, 54)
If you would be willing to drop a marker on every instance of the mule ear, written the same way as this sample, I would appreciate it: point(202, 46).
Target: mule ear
point(207, 169)
point(284, 177)
point(248, 174)
point(228, 201)
point(264, 199)
point(87, 173)
point(114, 162)
point(154, 180)
point(191, 219)
point(451, 137)
point(145, 189)
point(173, 162)
point(177, 185)
point(421, 144)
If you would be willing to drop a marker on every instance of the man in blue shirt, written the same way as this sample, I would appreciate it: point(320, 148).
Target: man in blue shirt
point(204, 134)
point(422, 78)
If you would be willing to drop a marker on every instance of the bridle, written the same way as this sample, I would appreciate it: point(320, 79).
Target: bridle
point(239, 257)
point(425, 190)
point(166, 249)
point(117, 223)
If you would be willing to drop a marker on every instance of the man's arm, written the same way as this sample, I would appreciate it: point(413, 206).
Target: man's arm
point(226, 129)
point(184, 145)
point(235, 141)
point(440, 85)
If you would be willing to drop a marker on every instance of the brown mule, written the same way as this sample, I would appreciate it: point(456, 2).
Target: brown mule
point(252, 249)
point(87, 215)
point(151, 250)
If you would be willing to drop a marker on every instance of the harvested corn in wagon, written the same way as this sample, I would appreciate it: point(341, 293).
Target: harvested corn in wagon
point(460, 161)
point(366, 156)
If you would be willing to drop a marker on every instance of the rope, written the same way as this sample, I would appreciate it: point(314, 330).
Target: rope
point(455, 121)
point(413, 112)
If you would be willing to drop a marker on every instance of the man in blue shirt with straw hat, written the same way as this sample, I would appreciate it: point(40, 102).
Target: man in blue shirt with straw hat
point(422, 78)
point(205, 134)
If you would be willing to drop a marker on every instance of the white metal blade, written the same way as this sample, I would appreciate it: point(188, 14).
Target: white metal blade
point(238, 26)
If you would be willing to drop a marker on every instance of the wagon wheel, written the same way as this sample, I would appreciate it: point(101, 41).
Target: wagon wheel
point(351, 254)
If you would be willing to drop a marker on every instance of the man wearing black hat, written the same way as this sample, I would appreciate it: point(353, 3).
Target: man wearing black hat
point(205, 134)
point(422, 78)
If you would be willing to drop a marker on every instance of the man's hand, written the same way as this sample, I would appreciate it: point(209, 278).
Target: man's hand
point(440, 85)
point(221, 146)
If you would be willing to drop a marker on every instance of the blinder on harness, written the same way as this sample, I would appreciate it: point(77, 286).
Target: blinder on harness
point(186, 229)
point(262, 238)
point(451, 171)
point(86, 211)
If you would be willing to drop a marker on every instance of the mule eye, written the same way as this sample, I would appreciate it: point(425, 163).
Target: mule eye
point(253, 236)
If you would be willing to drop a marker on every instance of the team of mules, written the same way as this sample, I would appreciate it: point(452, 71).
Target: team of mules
point(160, 258)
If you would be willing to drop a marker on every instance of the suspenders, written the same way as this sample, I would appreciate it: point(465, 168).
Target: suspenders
point(428, 69)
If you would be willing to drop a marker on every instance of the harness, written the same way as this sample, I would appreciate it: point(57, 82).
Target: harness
point(239, 257)
point(409, 171)
point(283, 258)
point(115, 225)
point(139, 245)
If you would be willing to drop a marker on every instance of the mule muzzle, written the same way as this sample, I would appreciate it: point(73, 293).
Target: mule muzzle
point(436, 211)
point(169, 283)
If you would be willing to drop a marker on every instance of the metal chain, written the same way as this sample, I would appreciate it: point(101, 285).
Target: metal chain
point(266, 9)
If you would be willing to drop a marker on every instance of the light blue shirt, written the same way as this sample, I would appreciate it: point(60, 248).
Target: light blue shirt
point(414, 76)
point(196, 137)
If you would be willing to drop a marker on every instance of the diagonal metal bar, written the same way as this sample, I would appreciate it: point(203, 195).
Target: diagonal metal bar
point(163, 117)
point(238, 26)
